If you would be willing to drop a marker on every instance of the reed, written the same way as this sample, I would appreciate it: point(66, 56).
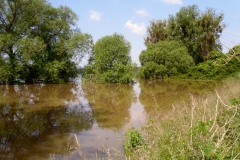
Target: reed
point(205, 128)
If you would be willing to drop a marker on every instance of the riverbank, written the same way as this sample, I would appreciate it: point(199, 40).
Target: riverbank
point(205, 128)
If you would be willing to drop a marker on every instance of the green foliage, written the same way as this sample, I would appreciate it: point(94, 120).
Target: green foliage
point(235, 49)
point(156, 32)
point(215, 68)
point(198, 31)
point(133, 140)
point(111, 61)
point(164, 58)
point(38, 41)
point(235, 101)
point(152, 70)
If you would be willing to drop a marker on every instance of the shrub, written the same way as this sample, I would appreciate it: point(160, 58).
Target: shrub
point(132, 142)
point(215, 68)
point(164, 59)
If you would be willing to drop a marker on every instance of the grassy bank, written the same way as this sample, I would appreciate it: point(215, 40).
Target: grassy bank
point(205, 128)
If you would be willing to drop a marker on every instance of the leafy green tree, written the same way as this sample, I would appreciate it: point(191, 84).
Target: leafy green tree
point(210, 33)
point(110, 61)
point(198, 31)
point(156, 32)
point(164, 59)
point(39, 41)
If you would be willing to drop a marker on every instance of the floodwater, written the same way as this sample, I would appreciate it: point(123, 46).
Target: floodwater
point(40, 121)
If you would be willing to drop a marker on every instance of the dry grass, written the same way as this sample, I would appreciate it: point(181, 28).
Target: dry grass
point(206, 128)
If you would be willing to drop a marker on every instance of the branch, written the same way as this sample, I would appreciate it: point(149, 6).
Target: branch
point(232, 33)
point(236, 17)
point(229, 31)
point(231, 41)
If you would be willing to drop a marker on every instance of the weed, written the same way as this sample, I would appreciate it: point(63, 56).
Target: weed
point(133, 140)
point(203, 129)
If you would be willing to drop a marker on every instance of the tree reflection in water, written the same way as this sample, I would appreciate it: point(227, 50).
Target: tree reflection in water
point(161, 95)
point(110, 103)
point(37, 120)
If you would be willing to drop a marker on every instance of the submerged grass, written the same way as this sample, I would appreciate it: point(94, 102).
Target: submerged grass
point(205, 128)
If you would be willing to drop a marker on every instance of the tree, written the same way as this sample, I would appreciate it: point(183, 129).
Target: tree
point(198, 31)
point(164, 58)
point(183, 28)
point(110, 62)
point(156, 32)
point(210, 33)
point(39, 41)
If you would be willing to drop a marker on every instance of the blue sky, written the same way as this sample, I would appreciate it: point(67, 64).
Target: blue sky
point(131, 17)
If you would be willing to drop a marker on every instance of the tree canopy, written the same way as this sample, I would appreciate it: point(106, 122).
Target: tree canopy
point(156, 32)
point(38, 41)
point(165, 58)
point(198, 30)
point(110, 61)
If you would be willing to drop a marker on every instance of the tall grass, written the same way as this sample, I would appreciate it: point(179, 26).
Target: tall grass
point(205, 128)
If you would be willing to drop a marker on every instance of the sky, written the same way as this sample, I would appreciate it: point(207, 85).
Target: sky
point(131, 18)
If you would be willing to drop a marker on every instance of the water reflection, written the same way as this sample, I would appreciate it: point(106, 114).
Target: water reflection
point(110, 103)
point(37, 120)
point(161, 95)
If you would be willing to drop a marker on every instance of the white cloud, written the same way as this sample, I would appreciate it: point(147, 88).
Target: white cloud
point(142, 12)
point(173, 1)
point(139, 29)
point(94, 15)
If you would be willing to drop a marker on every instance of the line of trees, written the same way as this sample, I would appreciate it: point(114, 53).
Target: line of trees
point(38, 41)
point(173, 47)
point(197, 31)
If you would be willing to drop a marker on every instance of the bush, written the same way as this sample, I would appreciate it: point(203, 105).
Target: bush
point(215, 68)
point(164, 59)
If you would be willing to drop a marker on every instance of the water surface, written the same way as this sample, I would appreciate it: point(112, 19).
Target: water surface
point(41, 119)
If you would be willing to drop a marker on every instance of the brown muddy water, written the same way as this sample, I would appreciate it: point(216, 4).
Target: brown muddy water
point(40, 120)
